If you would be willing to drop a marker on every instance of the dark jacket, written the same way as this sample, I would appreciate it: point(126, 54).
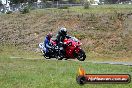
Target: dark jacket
point(60, 37)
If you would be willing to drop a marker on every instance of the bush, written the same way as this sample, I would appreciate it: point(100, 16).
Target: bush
point(63, 7)
point(9, 12)
point(86, 5)
point(25, 10)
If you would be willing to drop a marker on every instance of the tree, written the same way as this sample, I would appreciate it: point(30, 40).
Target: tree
point(74, 1)
point(86, 4)
point(21, 1)
point(0, 2)
point(110, 1)
point(17, 1)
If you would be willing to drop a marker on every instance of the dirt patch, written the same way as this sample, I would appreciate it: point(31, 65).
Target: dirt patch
point(108, 34)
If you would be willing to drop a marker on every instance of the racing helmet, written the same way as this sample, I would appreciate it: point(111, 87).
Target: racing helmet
point(50, 35)
point(63, 31)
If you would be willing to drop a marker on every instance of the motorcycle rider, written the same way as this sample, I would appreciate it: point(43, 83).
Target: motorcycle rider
point(62, 34)
point(47, 43)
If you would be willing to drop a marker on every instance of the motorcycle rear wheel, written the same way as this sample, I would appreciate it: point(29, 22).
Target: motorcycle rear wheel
point(46, 57)
point(59, 57)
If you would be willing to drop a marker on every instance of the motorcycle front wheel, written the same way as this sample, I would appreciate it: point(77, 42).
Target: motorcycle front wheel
point(81, 55)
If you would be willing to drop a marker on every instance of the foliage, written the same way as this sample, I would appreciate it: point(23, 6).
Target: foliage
point(21, 1)
point(111, 1)
point(75, 1)
point(63, 7)
point(25, 10)
point(9, 12)
point(0, 2)
point(86, 5)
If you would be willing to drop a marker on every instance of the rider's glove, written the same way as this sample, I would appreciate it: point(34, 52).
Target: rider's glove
point(61, 42)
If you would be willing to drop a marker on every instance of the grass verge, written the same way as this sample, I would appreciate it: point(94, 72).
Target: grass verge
point(8, 50)
point(23, 73)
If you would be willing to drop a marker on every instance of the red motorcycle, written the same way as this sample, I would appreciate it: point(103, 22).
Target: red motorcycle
point(70, 49)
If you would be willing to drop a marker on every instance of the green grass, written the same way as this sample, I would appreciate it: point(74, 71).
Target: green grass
point(91, 56)
point(103, 8)
point(100, 9)
point(23, 73)
point(9, 50)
